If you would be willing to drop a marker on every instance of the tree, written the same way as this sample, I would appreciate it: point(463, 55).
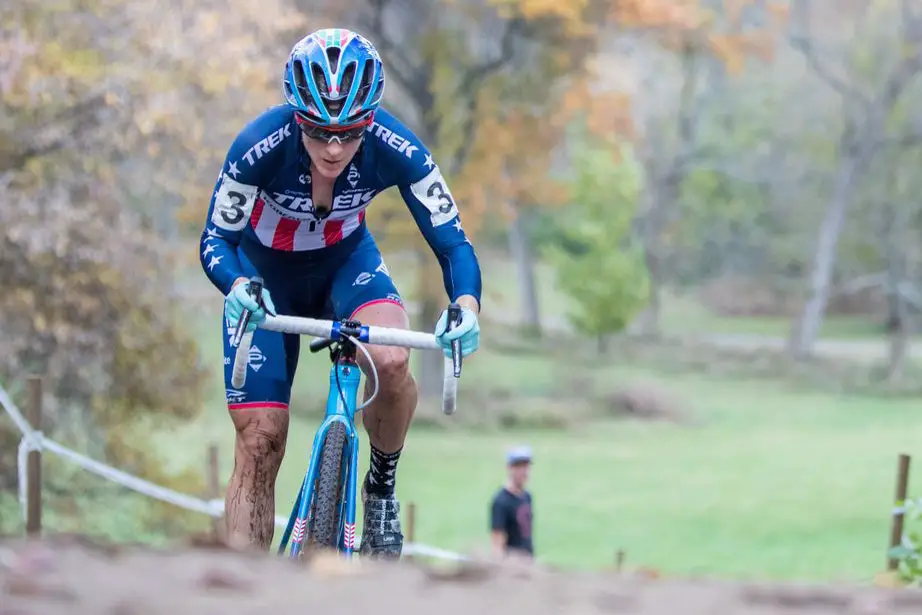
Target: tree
point(868, 101)
point(687, 52)
point(101, 137)
point(603, 270)
point(884, 239)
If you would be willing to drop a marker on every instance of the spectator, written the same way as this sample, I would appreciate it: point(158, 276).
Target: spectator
point(511, 515)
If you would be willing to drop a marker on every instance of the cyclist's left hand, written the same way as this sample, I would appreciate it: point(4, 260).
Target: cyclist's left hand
point(239, 299)
point(468, 331)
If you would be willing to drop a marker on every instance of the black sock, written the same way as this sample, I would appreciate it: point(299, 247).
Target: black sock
point(382, 474)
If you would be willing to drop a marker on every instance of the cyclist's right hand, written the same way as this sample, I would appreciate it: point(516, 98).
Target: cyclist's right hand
point(239, 299)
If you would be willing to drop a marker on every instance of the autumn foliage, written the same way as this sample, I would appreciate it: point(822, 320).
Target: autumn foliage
point(105, 128)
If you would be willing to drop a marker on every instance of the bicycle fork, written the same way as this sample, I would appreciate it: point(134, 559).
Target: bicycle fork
point(348, 497)
point(342, 410)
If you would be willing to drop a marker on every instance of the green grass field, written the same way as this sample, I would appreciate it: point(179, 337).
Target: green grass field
point(766, 483)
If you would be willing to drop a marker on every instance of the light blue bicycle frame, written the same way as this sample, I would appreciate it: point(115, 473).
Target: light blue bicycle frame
point(341, 407)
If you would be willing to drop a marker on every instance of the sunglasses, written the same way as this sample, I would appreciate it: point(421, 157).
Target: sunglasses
point(340, 134)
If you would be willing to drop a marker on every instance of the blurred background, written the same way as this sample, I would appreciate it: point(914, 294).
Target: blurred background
point(699, 223)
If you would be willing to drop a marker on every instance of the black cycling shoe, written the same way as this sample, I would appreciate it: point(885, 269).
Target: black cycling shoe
point(382, 537)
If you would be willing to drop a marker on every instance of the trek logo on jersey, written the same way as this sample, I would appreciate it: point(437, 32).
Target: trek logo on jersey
point(296, 203)
point(353, 201)
point(267, 145)
point(393, 139)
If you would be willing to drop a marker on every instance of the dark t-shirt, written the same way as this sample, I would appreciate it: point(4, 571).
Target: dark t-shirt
point(512, 515)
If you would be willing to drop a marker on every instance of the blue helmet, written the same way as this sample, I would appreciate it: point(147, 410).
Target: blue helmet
point(334, 77)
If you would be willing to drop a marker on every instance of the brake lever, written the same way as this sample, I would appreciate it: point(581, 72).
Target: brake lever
point(255, 290)
point(454, 318)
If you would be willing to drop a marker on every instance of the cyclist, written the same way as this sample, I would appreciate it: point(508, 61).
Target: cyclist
point(289, 205)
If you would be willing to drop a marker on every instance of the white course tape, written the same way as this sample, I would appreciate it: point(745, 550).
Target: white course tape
point(35, 441)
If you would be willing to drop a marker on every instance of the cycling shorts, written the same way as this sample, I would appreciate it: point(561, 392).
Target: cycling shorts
point(335, 283)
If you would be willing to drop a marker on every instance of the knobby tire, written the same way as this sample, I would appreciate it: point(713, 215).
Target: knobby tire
point(323, 525)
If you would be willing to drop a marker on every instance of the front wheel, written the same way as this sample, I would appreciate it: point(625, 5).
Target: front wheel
point(323, 524)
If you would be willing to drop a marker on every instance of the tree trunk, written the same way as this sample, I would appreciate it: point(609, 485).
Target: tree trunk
point(900, 325)
point(601, 345)
point(807, 325)
point(648, 321)
point(520, 249)
point(431, 303)
point(894, 313)
point(899, 339)
point(658, 200)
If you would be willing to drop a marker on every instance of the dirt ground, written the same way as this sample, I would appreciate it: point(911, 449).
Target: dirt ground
point(74, 576)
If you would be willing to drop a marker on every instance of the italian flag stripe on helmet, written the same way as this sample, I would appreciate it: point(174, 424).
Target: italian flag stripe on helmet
point(335, 37)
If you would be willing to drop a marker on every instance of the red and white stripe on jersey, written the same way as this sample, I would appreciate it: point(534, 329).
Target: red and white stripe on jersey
point(289, 234)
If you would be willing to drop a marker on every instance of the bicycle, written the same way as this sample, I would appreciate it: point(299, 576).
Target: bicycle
point(323, 515)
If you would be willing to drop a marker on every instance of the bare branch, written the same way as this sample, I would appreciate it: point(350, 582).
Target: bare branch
point(907, 141)
point(477, 74)
point(412, 77)
point(825, 73)
point(802, 43)
point(688, 113)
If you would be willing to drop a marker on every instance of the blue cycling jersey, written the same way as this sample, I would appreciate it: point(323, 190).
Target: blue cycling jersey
point(263, 195)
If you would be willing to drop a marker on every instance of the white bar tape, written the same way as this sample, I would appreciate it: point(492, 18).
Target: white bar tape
point(242, 360)
point(449, 388)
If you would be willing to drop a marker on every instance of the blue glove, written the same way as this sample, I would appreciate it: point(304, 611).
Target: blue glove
point(468, 331)
point(239, 299)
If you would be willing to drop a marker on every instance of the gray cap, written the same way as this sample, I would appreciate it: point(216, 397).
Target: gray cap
point(518, 454)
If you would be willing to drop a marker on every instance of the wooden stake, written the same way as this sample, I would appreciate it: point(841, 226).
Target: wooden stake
point(902, 486)
point(34, 462)
point(213, 481)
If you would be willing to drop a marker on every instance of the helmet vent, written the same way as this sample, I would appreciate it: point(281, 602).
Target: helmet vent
point(333, 55)
point(297, 70)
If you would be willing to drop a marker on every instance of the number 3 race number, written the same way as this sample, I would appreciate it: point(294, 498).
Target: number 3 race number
point(432, 191)
point(233, 204)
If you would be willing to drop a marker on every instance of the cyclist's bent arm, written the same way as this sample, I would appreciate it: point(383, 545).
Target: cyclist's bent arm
point(436, 214)
point(235, 195)
point(408, 164)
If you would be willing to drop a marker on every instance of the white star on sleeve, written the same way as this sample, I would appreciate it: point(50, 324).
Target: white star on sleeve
point(209, 248)
point(233, 170)
point(212, 233)
point(429, 162)
point(214, 261)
